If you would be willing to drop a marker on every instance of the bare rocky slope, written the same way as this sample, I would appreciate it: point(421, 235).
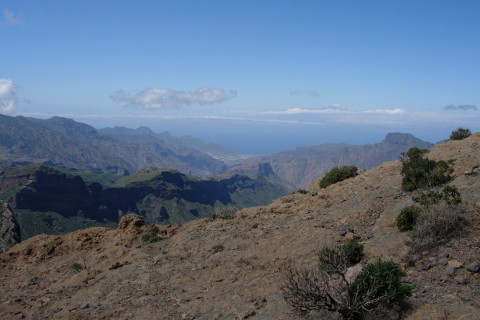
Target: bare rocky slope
point(233, 269)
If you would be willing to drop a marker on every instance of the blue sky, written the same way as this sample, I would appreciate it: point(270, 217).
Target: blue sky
point(256, 76)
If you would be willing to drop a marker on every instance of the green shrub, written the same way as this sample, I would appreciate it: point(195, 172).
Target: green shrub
point(340, 257)
point(460, 134)
point(338, 174)
point(302, 191)
point(437, 224)
point(449, 194)
point(151, 236)
point(353, 251)
point(420, 172)
point(76, 266)
point(407, 218)
point(380, 282)
point(218, 248)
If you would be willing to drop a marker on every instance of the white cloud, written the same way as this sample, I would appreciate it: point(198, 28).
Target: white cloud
point(160, 98)
point(8, 98)
point(385, 111)
point(334, 109)
point(10, 18)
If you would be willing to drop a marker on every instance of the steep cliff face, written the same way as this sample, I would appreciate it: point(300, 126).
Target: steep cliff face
point(9, 228)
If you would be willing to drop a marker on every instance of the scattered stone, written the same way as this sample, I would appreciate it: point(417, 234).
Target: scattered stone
point(443, 262)
point(450, 270)
point(422, 290)
point(255, 226)
point(461, 280)
point(415, 257)
point(444, 254)
point(249, 313)
point(393, 315)
point(343, 231)
point(351, 236)
point(117, 265)
point(353, 272)
point(84, 306)
point(455, 263)
point(427, 266)
point(474, 267)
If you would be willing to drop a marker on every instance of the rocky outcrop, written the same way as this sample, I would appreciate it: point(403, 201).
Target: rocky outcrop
point(9, 229)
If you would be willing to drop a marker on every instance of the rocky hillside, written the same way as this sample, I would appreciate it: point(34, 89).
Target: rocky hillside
point(301, 166)
point(233, 269)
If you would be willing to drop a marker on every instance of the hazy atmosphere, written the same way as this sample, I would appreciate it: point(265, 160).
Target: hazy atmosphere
point(254, 76)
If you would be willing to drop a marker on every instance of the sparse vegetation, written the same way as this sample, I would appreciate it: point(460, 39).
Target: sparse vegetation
point(437, 220)
point(151, 235)
point(302, 191)
point(449, 194)
point(380, 282)
point(421, 172)
point(338, 174)
point(217, 248)
point(407, 218)
point(353, 251)
point(328, 289)
point(460, 134)
point(340, 257)
point(437, 224)
point(76, 266)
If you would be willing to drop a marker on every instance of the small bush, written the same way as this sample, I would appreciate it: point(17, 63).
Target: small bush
point(407, 218)
point(302, 191)
point(151, 236)
point(341, 257)
point(438, 223)
point(380, 282)
point(421, 172)
point(338, 174)
point(218, 248)
point(353, 251)
point(76, 266)
point(449, 194)
point(460, 134)
point(378, 285)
